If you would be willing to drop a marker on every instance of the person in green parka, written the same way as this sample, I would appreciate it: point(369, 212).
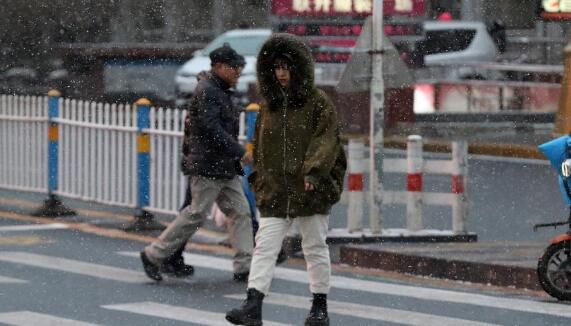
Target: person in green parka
point(299, 167)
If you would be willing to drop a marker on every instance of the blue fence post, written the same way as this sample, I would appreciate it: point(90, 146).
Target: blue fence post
point(251, 115)
point(53, 206)
point(144, 220)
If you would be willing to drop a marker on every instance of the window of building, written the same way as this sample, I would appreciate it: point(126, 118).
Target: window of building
point(154, 15)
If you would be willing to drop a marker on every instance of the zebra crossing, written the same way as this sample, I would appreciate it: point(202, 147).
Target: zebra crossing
point(33, 227)
point(375, 315)
point(371, 312)
point(178, 313)
point(74, 266)
point(4, 279)
point(353, 298)
point(28, 318)
point(348, 283)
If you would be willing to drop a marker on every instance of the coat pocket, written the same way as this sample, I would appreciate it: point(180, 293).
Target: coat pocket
point(257, 184)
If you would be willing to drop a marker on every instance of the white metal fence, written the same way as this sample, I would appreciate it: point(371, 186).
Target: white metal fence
point(97, 156)
point(97, 151)
point(23, 151)
point(167, 183)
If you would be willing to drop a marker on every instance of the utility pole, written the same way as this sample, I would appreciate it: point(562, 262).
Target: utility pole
point(376, 119)
point(471, 10)
point(123, 24)
point(172, 16)
point(218, 16)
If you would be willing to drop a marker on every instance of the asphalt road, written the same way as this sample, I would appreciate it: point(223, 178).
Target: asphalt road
point(66, 276)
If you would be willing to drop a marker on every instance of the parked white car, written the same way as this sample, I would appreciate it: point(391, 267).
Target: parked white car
point(458, 42)
point(246, 42)
point(448, 50)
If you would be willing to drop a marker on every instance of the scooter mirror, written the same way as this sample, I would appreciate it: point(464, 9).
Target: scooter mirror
point(566, 168)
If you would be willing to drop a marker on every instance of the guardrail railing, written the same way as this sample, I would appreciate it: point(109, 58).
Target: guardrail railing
point(125, 155)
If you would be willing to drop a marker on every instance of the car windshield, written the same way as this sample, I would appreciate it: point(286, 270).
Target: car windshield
point(246, 45)
point(443, 41)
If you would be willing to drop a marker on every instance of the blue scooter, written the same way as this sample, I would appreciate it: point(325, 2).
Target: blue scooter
point(554, 266)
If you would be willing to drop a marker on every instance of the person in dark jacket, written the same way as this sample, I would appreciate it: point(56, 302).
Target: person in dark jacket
point(212, 158)
point(175, 265)
point(299, 166)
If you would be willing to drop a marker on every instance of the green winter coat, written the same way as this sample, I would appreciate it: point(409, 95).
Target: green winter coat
point(296, 138)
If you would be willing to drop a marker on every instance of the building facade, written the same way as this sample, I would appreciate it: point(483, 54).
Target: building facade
point(174, 21)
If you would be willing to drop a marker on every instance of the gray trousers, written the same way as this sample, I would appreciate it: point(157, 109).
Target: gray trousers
point(229, 196)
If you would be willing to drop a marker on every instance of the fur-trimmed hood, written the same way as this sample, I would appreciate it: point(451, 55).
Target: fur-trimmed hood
point(302, 73)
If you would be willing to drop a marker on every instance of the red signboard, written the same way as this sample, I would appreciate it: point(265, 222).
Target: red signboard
point(347, 30)
point(556, 9)
point(332, 8)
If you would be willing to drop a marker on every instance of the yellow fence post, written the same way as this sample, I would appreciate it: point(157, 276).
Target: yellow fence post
point(144, 220)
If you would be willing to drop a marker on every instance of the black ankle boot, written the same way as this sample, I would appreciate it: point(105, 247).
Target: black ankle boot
point(318, 314)
point(250, 313)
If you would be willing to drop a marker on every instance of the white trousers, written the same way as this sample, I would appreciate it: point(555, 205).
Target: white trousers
point(269, 239)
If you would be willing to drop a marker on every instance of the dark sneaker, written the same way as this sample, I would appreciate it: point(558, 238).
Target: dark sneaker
point(241, 277)
point(150, 268)
point(177, 268)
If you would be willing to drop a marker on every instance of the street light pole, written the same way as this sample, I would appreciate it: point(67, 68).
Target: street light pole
point(218, 16)
point(376, 119)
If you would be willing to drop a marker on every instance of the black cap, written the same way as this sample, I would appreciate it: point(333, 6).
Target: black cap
point(225, 54)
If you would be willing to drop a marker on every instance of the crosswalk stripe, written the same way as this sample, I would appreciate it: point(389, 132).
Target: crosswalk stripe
point(347, 283)
point(451, 296)
point(74, 266)
point(404, 317)
point(27, 318)
point(5, 279)
point(33, 227)
point(177, 313)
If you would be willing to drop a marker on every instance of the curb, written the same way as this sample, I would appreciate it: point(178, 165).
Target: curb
point(475, 272)
point(342, 236)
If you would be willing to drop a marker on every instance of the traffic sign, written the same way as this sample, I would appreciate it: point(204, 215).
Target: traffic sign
point(357, 74)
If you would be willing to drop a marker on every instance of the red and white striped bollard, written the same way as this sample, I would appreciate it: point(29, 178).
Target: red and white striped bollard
point(414, 183)
point(459, 175)
point(355, 185)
